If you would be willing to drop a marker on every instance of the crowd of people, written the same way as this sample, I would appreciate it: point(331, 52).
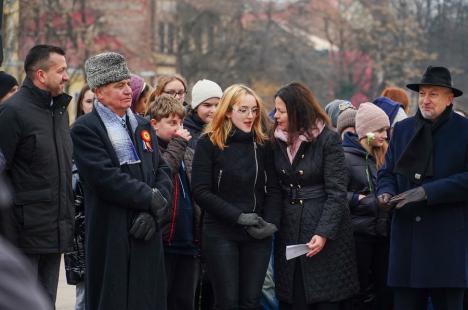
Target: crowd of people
point(159, 202)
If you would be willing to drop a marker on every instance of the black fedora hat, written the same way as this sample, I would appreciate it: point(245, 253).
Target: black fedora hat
point(437, 76)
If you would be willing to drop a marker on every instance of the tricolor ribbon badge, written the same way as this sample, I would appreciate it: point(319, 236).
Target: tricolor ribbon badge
point(146, 137)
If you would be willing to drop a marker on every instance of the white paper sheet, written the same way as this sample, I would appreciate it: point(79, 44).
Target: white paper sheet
point(293, 251)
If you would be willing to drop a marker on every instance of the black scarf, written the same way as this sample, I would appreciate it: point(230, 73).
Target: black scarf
point(416, 162)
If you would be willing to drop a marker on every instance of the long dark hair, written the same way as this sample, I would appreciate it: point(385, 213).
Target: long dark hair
point(303, 109)
point(79, 101)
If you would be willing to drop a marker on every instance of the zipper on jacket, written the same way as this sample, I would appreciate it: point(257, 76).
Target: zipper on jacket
point(59, 176)
point(256, 175)
point(220, 174)
point(371, 189)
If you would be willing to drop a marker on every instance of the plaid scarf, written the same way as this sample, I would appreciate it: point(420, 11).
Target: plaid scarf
point(118, 134)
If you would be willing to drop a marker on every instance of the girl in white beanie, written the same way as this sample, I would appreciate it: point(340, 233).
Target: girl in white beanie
point(205, 99)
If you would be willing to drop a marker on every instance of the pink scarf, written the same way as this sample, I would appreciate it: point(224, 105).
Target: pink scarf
point(309, 136)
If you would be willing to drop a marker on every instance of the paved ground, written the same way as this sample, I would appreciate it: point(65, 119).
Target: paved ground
point(65, 293)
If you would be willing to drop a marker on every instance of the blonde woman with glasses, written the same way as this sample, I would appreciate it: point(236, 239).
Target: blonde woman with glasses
point(234, 183)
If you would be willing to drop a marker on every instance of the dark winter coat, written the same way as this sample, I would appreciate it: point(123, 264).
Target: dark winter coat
point(121, 272)
point(37, 147)
point(366, 216)
point(176, 152)
point(429, 239)
point(240, 178)
point(195, 126)
point(314, 203)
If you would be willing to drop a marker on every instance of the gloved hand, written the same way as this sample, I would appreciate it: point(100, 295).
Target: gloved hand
point(158, 206)
point(143, 226)
point(248, 219)
point(413, 195)
point(384, 201)
point(262, 230)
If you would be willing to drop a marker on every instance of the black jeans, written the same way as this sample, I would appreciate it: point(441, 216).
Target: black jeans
point(46, 268)
point(417, 298)
point(182, 277)
point(237, 268)
point(372, 262)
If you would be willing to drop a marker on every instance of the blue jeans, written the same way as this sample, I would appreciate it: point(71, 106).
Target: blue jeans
point(236, 269)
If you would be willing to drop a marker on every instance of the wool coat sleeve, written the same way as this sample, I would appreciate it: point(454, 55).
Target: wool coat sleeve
point(386, 180)
point(174, 154)
point(202, 184)
point(450, 189)
point(335, 181)
point(272, 206)
point(10, 127)
point(96, 168)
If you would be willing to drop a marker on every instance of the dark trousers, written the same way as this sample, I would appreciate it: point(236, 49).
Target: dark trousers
point(46, 269)
point(417, 298)
point(236, 269)
point(372, 262)
point(299, 299)
point(182, 277)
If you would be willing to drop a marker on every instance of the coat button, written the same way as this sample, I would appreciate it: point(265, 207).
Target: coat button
point(301, 172)
point(302, 156)
point(301, 202)
point(283, 171)
point(298, 185)
point(417, 219)
point(290, 185)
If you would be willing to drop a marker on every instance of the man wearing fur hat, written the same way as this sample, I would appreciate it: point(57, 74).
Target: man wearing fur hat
point(126, 186)
point(425, 180)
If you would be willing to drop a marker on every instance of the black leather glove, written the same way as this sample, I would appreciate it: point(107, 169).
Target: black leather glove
point(262, 230)
point(158, 206)
point(248, 219)
point(412, 195)
point(143, 226)
point(384, 201)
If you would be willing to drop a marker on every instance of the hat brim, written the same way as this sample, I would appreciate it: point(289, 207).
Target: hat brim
point(415, 87)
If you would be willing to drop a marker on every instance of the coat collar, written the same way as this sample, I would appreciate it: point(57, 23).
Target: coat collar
point(44, 98)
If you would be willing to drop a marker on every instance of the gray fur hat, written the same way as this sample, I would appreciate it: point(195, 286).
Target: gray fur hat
point(106, 68)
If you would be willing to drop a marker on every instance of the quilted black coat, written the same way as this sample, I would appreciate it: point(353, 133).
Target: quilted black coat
point(314, 202)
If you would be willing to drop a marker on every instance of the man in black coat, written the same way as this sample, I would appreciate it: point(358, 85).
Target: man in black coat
point(38, 151)
point(126, 186)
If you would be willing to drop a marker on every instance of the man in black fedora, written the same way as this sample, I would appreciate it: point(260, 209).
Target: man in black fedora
point(425, 180)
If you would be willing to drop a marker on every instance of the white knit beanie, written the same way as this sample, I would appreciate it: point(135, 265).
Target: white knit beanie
point(370, 118)
point(204, 90)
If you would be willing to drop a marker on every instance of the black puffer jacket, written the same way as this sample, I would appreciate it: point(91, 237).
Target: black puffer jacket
point(366, 216)
point(240, 178)
point(314, 203)
point(37, 146)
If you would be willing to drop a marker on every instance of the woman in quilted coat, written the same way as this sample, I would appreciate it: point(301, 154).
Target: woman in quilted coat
point(311, 167)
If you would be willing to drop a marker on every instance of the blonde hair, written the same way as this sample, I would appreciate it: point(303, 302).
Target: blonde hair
point(377, 152)
point(221, 126)
point(165, 106)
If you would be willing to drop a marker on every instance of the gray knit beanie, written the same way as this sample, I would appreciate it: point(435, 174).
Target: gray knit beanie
point(346, 119)
point(335, 107)
point(106, 68)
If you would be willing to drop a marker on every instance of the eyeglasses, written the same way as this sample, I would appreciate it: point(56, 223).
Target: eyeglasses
point(174, 93)
point(244, 111)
